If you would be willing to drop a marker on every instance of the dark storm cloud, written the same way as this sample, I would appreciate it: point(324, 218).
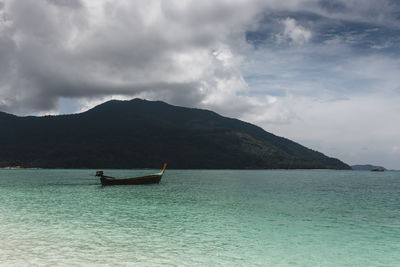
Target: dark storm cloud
point(114, 48)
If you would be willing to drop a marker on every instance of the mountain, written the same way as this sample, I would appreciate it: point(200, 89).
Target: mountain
point(366, 167)
point(141, 134)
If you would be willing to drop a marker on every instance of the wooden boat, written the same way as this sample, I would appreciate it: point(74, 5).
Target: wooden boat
point(148, 179)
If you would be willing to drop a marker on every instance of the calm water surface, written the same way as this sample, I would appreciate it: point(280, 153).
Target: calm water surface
point(208, 218)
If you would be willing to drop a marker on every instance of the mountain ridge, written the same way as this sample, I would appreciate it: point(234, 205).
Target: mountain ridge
point(140, 134)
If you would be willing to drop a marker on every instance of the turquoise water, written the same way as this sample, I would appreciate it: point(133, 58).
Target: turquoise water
point(207, 218)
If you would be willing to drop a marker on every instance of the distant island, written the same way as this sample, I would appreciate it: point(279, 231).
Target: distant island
point(367, 167)
point(145, 134)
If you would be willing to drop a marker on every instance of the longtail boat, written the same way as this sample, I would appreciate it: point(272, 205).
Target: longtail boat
point(148, 179)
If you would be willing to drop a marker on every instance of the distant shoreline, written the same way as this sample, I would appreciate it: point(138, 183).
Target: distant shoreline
point(19, 168)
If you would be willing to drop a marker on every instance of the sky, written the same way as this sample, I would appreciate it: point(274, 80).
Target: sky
point(324, 73)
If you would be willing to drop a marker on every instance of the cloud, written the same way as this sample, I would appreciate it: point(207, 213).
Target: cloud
point(95, 49)
point(66, 3)
point(54, 49)
point(293, 31)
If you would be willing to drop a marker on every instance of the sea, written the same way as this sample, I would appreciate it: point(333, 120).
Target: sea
point(200, 218)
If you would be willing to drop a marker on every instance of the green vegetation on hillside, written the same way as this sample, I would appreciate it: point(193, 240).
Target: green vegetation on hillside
point(141, 134)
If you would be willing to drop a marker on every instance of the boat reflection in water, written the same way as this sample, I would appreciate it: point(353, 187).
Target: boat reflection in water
point(148, 179)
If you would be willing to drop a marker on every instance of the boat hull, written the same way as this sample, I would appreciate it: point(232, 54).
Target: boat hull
point(149, 179)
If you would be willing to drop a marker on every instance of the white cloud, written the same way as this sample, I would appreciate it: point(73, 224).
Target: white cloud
point(293, 31)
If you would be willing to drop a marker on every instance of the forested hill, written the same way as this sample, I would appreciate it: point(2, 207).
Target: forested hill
point(144, 134)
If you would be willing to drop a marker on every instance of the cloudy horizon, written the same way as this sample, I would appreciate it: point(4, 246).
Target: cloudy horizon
point(324, 73)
